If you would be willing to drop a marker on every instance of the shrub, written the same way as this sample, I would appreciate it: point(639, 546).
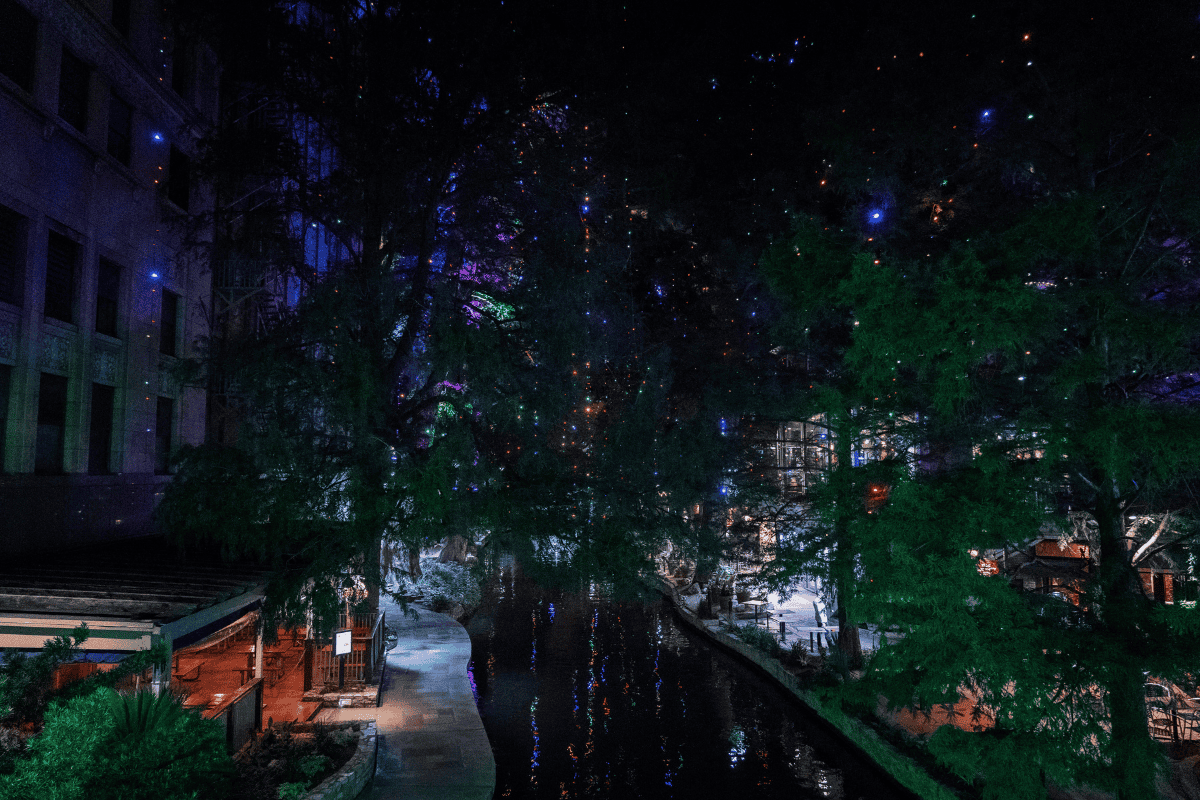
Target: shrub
point(292, 791)
point(311, 766)
point(104, 745)
point(760, 638)
point(12, 747)
point(25, 680)
point(443, 584)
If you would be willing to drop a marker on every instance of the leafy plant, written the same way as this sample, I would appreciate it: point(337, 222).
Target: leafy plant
point(759, 638)
point(102, 746)
point(141, 713)
point(292, 791)
point(25, 680)
point(312, 765)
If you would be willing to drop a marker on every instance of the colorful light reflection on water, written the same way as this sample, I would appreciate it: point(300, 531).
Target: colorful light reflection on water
point(585, 697)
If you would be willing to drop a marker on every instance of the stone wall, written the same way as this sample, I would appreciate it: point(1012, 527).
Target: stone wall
point(355, 774)
point(363, 697)
point(852, 733)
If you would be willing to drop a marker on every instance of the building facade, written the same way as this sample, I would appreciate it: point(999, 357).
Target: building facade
point(101, 107)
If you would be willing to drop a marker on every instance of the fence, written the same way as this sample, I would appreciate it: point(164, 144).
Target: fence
point(366, 653)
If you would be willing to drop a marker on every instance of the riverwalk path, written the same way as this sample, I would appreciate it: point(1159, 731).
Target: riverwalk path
point(432, 745)
point(804, 617)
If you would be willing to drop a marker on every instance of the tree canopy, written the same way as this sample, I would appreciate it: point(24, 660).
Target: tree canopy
point(1013, 270)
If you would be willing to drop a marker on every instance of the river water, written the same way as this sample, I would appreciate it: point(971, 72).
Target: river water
point(583, 696)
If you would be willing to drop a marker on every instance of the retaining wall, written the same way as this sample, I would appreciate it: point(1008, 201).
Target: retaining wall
point(355, 774)
point(899, 767)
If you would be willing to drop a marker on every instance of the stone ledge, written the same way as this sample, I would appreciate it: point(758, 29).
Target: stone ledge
point(365, 697)
point(355, 774)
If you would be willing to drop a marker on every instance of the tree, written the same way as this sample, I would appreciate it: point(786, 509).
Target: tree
point(25, 681)
point(856, 442)
point(1024, 285)
point(434, 217)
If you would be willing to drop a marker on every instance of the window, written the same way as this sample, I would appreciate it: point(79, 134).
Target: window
point(51, 424)
point(120, 129)
point(178, 183)
point(73, 91)
point(170, 323)
point(61, 255)
point(101, 431)
point(12, 257)
point(164, 414)
point(108, 290)
point(18, 36)
point(121, 16)
point(5, 389)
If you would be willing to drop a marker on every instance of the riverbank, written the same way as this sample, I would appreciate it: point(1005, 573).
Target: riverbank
point(906, 773)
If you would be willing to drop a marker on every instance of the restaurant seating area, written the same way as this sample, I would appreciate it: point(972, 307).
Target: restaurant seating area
point(206, 675)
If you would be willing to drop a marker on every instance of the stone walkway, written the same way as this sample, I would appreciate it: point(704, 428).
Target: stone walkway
point(432, 745)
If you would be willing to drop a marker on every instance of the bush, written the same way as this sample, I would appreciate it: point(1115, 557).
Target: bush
point(285, 761)
point(292, 791)
point(131, 747)
point(25, 680)
point(760, 638)
point(12, 748)
point(443, 584)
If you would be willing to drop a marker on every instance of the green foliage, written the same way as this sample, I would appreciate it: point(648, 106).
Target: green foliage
point(12, 748)
point(142, 713)
point(100, 746)
point(25, 680)
point(760, 638)
point(1039, 341)
point(292, 791)
point(312, 765)
point(133, 664)
point(443, 583)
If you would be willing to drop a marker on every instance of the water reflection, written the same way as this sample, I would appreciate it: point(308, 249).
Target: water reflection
point(585, 697)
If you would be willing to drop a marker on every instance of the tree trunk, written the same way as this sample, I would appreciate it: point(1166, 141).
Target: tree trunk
point(414, 562)
point(842, 568)
point(455, 550)
point(1122, 605)
point(848, 640)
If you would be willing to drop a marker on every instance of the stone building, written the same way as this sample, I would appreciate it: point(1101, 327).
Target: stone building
point(101, 107)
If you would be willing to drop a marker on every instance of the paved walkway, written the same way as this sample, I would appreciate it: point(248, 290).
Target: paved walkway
point(800, 616)
point(432, 745)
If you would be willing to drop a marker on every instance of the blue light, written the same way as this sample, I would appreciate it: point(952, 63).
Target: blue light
point(156, 136)
point(875, 216)
point(153, 274)
point(585, 209)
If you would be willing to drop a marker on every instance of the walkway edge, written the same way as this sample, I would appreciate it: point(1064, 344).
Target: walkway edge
point(906, 773)
point(349, 781)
